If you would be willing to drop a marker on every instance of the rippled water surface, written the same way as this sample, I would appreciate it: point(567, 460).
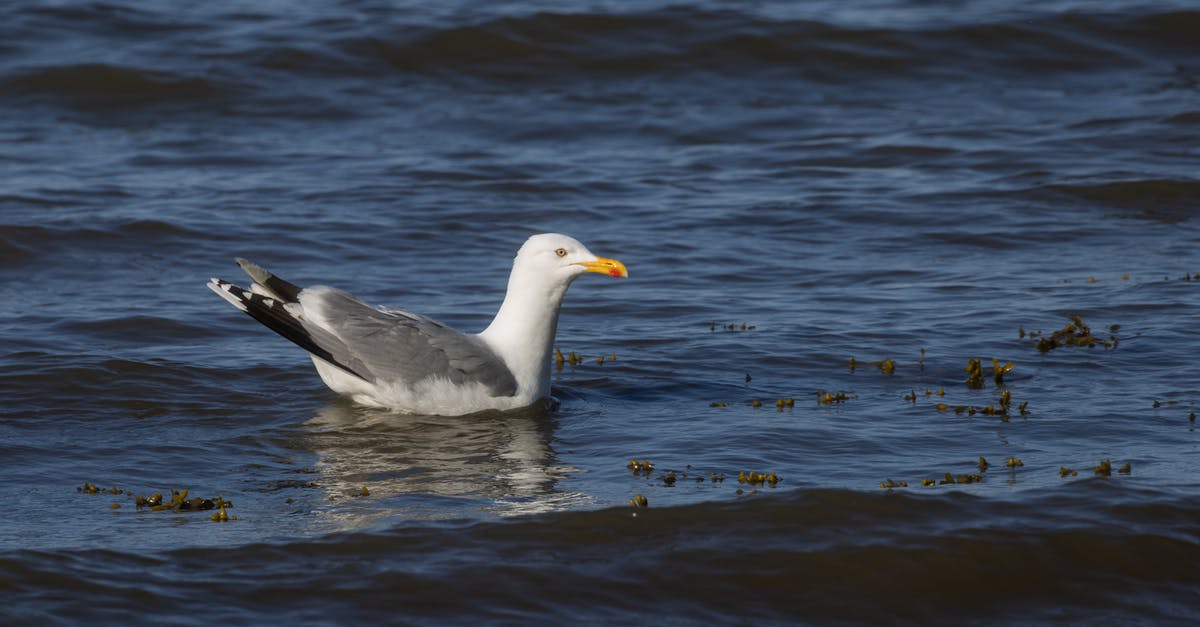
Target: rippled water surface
point(801, 191)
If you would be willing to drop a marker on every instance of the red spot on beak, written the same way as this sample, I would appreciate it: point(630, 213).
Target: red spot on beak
point(614, 272)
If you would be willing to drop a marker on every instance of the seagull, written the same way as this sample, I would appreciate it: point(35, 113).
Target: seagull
point(412, 364)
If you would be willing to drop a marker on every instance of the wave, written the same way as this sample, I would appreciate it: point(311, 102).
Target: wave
point(104, 85)
point(1164, 200)
point(46, 378)
point(135, 330)
point(556, 45)
point(682, 39)
point(20, 242)
point(824, 555)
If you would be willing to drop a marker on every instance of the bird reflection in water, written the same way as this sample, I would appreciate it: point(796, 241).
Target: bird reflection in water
point(436, 467)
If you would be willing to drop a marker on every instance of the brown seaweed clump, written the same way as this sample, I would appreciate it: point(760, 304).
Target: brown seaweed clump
point(962, 478)
point(1075, 333)
point(830, 398)
point(975, 372)
point(759, 478)
point(640, 468)
point(1001, 408)
point(712, 326)
point(1105, 468)
point(179, 501)
point(572, 358)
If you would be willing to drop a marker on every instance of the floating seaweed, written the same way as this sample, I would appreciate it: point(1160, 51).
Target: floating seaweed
point(758, 478)
point(1102, 469)
point(974, 374)
point(951, 479)
point(717, 404)
point(1001, 408)
point(640, 468)
point(998, 371)
point(889, 484)
point(1014, 462)
point(639, 501)
point(1075, 333)
point(712, 326)
point(830, 398)
point(887, 366)
point(572, 358)
point(179, 501)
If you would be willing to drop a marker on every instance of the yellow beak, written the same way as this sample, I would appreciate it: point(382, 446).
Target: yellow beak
point(604, 265)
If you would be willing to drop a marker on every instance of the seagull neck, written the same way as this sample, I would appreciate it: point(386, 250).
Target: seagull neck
point(522, 332)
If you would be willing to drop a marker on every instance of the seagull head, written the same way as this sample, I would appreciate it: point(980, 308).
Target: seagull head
point(563, 258)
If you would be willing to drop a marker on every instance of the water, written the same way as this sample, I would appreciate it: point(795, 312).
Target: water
point(897, 180)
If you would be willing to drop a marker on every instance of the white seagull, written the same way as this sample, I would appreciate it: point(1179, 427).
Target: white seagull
point(409, 363)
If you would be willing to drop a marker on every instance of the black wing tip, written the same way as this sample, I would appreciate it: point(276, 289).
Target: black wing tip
point(232, 294)
point(273, 315)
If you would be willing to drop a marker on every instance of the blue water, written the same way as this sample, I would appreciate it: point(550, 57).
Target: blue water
point(919, 182)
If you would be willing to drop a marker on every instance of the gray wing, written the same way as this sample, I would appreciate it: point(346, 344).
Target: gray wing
point(399, 346)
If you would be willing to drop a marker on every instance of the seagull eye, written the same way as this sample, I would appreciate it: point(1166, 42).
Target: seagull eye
point(561, 252)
